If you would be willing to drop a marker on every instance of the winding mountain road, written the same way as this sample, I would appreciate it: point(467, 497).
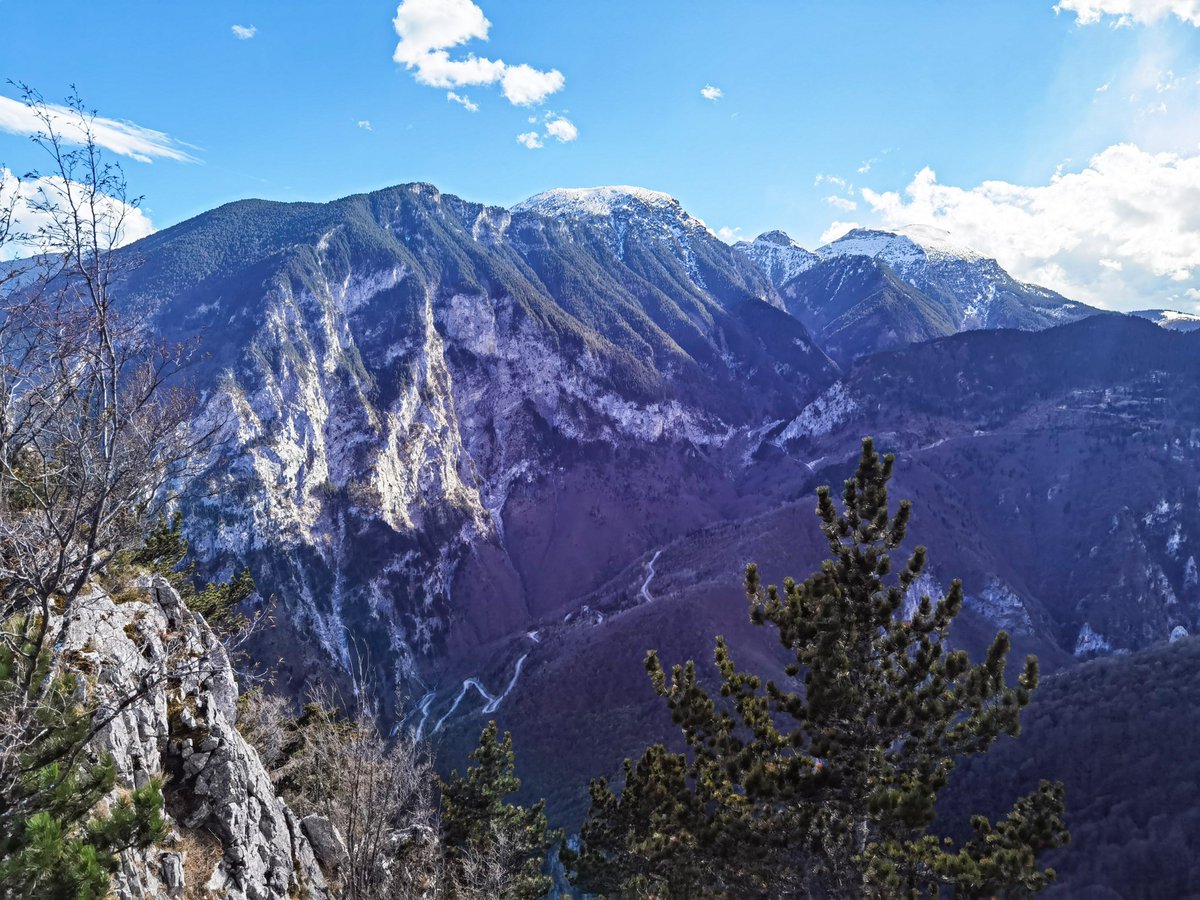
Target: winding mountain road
point(493, 702)
point(645, 591)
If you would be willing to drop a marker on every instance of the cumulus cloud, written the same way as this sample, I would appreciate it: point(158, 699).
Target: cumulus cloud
point(244, 32)
point(463, 101)
point(563, 130)
point(125, 223)
point(124, 138)
point(558, 127)
point(708, 92)
point(729, 235)
point(524, 85)
point(365, 124)
point(1123, 13)
point(1121, 232)
point(430, 29)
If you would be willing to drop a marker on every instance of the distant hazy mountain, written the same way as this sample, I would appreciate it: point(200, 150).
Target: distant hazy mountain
point(873, 290)
point(1170, 318)
point(974, 291)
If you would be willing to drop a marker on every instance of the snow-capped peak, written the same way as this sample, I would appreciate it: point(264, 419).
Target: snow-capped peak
point(912, 244)
point(780, 257)
point(778, 239)
point(597, 201)
point(1171, 319)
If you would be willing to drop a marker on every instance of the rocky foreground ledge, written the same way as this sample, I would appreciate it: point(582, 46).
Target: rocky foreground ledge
point(165, 680)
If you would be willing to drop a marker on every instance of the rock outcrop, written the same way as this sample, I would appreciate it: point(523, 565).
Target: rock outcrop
point(165, 680)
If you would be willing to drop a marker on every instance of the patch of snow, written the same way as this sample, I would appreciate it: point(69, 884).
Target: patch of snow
point(1091, 641)
point(1175, 540)
point(924, 586)
point(1001, 606)
point(904, 248)
point(596, 201)
point(821, 416)
point(780, 258)
point(1171, 319)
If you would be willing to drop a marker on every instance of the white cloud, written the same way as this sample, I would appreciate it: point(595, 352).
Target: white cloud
point(557, 126)
point(1123, 232)
point(429, 29)
point(708, 92)
point(244, 32)
point(830, 179)
point(729, 235)
point(438, 70)
point(463, 101)
point(524, 85)
point(1129, 12)
point(836, 230)
point(121, 137)
point(365, 124)
point(123, 222)
point(841, 203)
point(562, 129)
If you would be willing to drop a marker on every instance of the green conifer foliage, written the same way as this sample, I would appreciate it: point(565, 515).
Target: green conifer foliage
point(825, 783)
point(164, 553)
point(478, 821)
point(56, 840)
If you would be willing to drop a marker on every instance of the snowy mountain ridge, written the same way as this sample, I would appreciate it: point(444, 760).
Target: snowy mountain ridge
point(598, 201)
point(904, 248)
point(780, 257)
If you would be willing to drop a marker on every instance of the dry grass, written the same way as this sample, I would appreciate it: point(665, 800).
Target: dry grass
point(202, 852)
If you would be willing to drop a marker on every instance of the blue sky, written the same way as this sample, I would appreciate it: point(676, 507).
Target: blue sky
point(1063, 142)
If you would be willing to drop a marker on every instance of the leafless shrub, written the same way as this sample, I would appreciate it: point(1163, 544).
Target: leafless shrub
point(94, 415)
point(378, 793)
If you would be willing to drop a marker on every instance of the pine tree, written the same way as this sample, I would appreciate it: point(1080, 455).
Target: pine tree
point(56, 840)
point(479, 823)
point(165, 552)
point(825, 784)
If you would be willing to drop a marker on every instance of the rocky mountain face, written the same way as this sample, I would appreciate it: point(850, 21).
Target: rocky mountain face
point(487, 457)
point(1064, 460)
point(230, 834)
point(440, 420)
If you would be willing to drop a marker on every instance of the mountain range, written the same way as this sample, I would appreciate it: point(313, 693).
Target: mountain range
point(485, 458)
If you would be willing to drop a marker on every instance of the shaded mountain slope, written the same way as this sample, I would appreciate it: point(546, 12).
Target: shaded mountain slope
point(1123, 735)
